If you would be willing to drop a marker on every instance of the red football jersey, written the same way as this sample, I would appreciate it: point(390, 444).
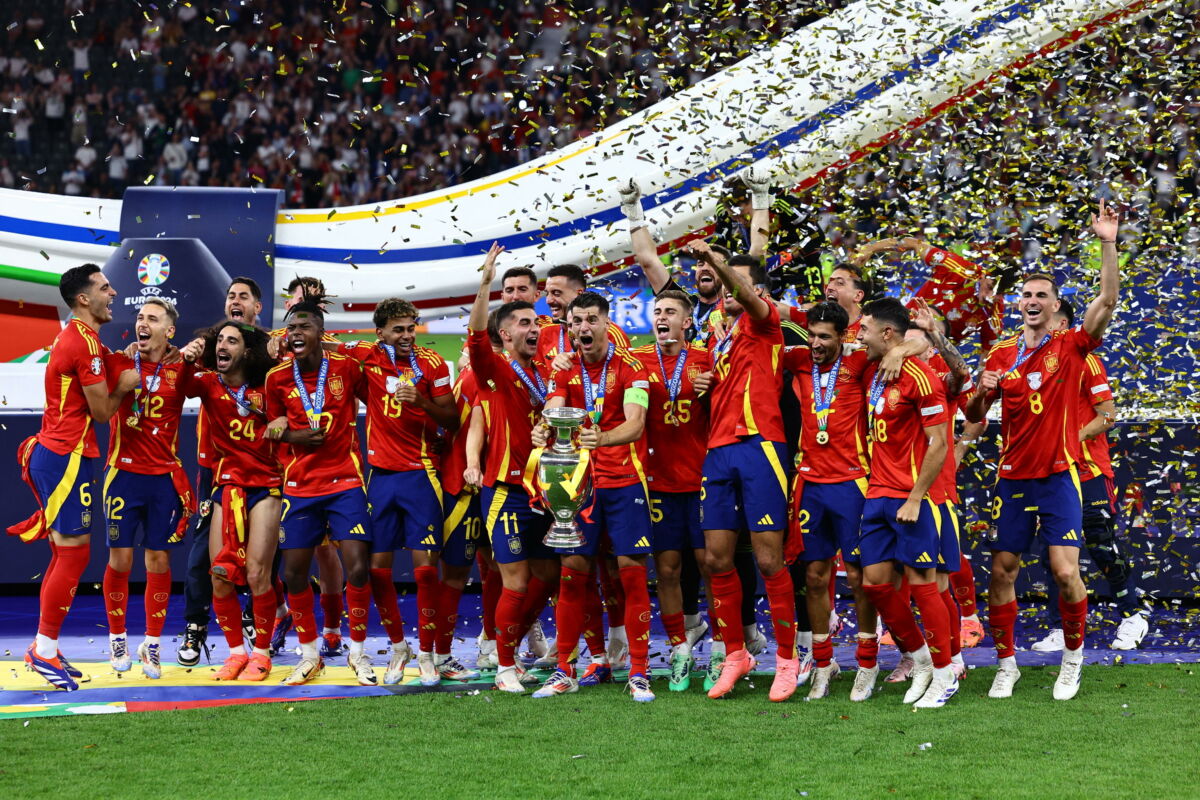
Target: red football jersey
point(844, 456)
point(204, 444)
point(945, 488)
point(399, 437)
point(849, 336)
point(1040, 403)
point(553, 339)
point(508, 408)
point(242, 455)
point(1093, 391)
point(620, 465)
point(897, 422)
point(335, 465)
point(749, 376)
point(76, 361)
point(150, 447)
point(950, 289)
point(454, 460)
point(676, 433)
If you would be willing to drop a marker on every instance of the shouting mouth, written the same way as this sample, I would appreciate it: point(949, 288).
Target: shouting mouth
point(237, 312)
point(297, 344)
point(223, 360)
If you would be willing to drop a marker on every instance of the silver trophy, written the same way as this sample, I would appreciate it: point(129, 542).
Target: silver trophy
point(556, 469)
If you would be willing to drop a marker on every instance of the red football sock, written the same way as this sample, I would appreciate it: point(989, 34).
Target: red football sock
point(867, 651)
point(427, 596)
point(1002, 620)
point(568, 616)
point(490, 595)
point(263, 605)
point(676, 630)
point(822, 651)
point(537, 594)
point(447, 616)
point(1074, 619)
point(304, 621)
point(58, 587)
point(963, 581)
point(781, 597)
point(935, 620)
point(832, 589)
point(508, 622)
point(158, 594)
point(331, 610)
point(358, 603)
point(280, 591)
point(955, 622)
point(614, 595)
point(593, 620)
point(116, 598)
point(905, 591)
point(896, 614)
point(637, 617)
point(387, 603)
point(726, 607)
point(228, 612)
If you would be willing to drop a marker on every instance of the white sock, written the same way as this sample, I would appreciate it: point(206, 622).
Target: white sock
point(112, 637)
point(691, 620)
point(681, 649)
point(1008, 662)
point(258, 651)
point(438, 658)
point(401, 645)
point(356, 648)
point(46, 647)
point(957, 659)
point(616, 633)
point(237, 651)
point(327, 631)
point(152, 640)
point(718, 648)
point(946, 673)
point(423, 653)
point(820, 637)
point(309, 650)
point(922, 656)
point(1072, 655)
point(600, 658)
point(804, 640)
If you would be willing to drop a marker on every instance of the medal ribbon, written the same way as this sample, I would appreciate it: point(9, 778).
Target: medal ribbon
point(823, 397)
point(876, 395)
point(537, 391)
point(240, 396)
point(1023, 356)
point(412, 363)
point(314, 404)
point(726, 342)
point(143, 386)
point(675, 382)
point(593, 397)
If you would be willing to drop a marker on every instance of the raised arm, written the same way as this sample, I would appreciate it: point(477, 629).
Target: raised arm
point(1100, 311)
point(758, 181)
point(898, 244)
point(738, 285)
point(960, 373)
point(487, 274)
point(103, 404)
point(645, 250)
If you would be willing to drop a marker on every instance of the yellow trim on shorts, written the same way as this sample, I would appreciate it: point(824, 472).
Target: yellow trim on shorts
point(773, 460)
point(498, 499)
point(456, 516)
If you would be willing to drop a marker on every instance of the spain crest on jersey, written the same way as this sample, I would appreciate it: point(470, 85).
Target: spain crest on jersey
point(336, 386)
point(893, 397)
point(1051, 363)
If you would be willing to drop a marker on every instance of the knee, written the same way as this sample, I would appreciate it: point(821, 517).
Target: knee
point(816, 581)
point(295, 579)
point(668, 574)
point(358, 574)
point(257, 576)
point(769, 564)
point(1065, 574)
point(716, 563)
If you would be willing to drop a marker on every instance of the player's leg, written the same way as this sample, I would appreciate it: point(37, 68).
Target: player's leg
point(349, 524)
point(418, 497)
point(460, 537)
point(1060, 512)
point(302, 528)
point(490, 586)
point(160, 510)
point(225, 602)
point(725, 601)
point(671, 525)
point(1015, 526)
point(331, 578)
point(949, 556)
point(122, 517)
point(260, 553)
point(628, 521)
point(962, 581)
point(386, 533)
point(505, 508)
point(1114, 561)
point(820, 546)
point(1052, 642)
point(197, 585)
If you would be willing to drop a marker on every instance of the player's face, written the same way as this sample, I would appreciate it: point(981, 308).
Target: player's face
point(841, 289)
point(152, 327)
point(1038, 303)
point(732, 307)
point(519, 287)
point(589, 329)
point(708, 286)
point(229, 349)
point(559, 294)
point(303, 334)
point(241, 306)
point(297, 295)
point(824, 341)
point(400, 333)
point(873, 335)
point(100, 295)
point(520, 333)
point(913, 334)
point(671, 319)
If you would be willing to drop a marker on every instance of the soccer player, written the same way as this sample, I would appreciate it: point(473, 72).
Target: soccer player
point(512, 392)
point(832, 464)
point(1097, 414)
point(563, 284)
point(521, 283)
point(243, 303)
point(1039, 372)
point(408, 397)
point(611, 385)
point(744, 484)
point(247, 495)
point(312, 404)
point(144, 484)
point(58, 463)
point(677, 432)
point(906, 419)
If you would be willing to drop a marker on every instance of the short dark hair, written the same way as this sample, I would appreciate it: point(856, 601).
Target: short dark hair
point(493, 329)
point(725, 252)
point(258, 360)
point(75, 282)
point(314, 288)
point(890, 312)
point(508, 309)
point(166, 305)
point(860, 282)
point(831, 312)
point(392, 308)
point(589, 300)
point(520, 272)
point(1041, 276)
point(758, 273)
point(1067, 309)
point(250, 284)
point(676, 295)
point(571, 272)
point(307, 306)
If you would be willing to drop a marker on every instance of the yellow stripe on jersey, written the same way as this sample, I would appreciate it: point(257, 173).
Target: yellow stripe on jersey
point(863, 453)
point(922, 380)
point(502, 473)
point(63, 389)
point(455, 516)
point(498, 498)
point(747, 410)
point(433, 478)
point(862, 484)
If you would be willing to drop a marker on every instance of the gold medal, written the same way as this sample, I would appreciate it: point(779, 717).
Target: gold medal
point(132, 420)
point(822, 437)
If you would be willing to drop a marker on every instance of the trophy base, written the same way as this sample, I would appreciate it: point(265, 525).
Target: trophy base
point(564, 536)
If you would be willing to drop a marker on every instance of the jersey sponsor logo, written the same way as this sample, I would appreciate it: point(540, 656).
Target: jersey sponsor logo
point(154, 269)
point(1035, 380)
point(97, 365)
